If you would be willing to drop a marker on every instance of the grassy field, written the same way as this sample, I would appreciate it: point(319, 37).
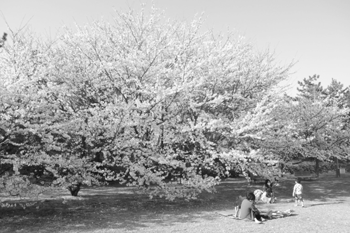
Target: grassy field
point(124, 209)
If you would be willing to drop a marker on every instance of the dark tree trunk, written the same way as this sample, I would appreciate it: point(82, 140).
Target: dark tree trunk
point(74, 189)
point(337, 170)
point(317, 168)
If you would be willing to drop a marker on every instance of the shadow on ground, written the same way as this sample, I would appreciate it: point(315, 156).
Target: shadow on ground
point(326, 187)
point(122, 208)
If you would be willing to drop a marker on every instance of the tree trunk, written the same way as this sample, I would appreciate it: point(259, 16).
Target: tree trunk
point(337, 170)
point(317, 168)
point(74, 188)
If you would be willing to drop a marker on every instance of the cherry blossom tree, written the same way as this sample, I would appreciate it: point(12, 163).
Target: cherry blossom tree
point(141, 100)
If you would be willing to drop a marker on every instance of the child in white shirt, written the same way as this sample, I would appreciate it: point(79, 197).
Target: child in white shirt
point(298, 192)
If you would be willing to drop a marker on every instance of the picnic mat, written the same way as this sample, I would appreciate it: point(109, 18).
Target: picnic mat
point(229, 213)
point(271, 213)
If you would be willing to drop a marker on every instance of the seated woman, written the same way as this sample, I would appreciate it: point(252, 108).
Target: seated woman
point(249, 211)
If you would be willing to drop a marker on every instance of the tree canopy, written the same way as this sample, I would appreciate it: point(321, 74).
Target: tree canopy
point(144, 100)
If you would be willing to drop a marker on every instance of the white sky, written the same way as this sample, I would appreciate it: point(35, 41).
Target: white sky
point(315, 33)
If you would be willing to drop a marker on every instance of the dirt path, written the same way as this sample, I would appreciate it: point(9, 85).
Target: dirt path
point(111, 209)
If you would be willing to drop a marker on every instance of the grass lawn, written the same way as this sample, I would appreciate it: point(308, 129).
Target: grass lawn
point(124, 209)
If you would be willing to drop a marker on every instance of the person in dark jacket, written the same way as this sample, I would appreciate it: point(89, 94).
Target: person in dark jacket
point(267, 189)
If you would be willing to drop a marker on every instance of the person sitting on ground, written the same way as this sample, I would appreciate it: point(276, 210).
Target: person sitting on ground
point(265, 194)
point(248, 209)
point(267, 189)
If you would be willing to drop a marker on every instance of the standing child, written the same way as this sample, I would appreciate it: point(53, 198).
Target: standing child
point(298, 192)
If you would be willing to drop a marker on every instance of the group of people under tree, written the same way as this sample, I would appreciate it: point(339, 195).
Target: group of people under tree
point(248, 210)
